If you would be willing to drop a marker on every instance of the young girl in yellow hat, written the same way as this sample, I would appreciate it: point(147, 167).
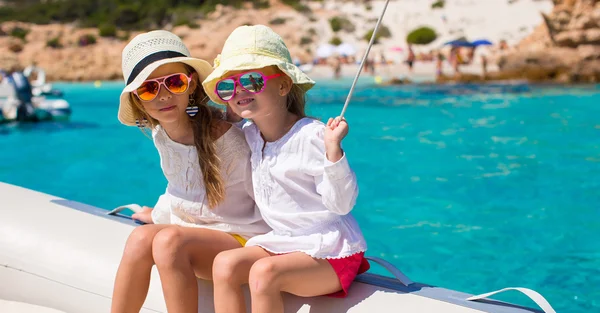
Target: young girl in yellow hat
point(208, 204)
point(303, 184)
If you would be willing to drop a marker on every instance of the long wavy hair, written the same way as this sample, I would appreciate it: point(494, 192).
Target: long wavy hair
point(296, 101)
point(204, 127)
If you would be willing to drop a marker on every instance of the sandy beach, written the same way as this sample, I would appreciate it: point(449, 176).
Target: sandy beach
point(422, 71)
point(494, 20)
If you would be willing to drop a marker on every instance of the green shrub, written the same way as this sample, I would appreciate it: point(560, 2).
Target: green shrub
point(184, 15)
point(86, 40)
point(123, 14)
point(277, 21)
point(124, 36)
point(438, 4)
point(261, 4)
point(305, 41)
point(54, 43)
point(297, 5)
point(19, 32)
point(421, 36)
point(383, 32)
point(338, 23)
point(336, 41)
point(128, 16)
point(335, 23)
point(107, 30)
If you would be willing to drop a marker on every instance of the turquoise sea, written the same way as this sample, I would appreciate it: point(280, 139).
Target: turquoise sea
point(468, 187)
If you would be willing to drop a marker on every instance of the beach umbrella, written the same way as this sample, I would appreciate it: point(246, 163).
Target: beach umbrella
point(459, 43)
point(345, 49)
point(482, 42)
point(325, 50)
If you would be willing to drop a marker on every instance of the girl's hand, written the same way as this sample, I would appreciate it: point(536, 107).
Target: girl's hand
point(145, 216)
point(335, 131)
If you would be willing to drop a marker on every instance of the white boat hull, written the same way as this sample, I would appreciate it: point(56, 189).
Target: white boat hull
point(64, 255)
point(46, 109)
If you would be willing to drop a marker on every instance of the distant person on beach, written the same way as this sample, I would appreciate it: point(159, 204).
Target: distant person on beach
point(410, 58)
point(336, 63)
point(455, 59)
point(367, 67)
point(439, 64)
point(254, 83)
point(484, 63)
point(208, 204)
point(303, 183)
point(371, 66)
point(470, 55)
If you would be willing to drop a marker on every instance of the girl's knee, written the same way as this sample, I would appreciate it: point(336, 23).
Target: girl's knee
point(226, 268)
point(139, 244)
point(263, 277)
point(168, 246)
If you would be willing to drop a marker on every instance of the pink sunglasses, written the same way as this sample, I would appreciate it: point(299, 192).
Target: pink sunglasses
point(175, 83)
point(252, 81)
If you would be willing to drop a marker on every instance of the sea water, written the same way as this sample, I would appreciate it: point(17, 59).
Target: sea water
point(467, 187)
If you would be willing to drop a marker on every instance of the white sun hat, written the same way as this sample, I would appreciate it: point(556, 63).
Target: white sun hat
point(254, 47)
point(145, 53)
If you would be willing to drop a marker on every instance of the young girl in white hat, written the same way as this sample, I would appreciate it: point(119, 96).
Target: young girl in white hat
point(303, 184)
point(208, 204)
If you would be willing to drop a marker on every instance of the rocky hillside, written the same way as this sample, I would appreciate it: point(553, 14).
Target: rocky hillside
point(71, 51)
point(565, 48)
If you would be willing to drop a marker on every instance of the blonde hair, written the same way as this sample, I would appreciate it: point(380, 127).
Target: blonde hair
point(204, 127)
point(296, 101)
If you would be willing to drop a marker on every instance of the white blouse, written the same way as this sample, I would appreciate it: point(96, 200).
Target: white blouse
point(184, 202)
point(304, 197)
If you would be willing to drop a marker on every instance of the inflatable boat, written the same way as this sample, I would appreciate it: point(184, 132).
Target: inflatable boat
point(39, 86)
point(47, 107)
point(58, 255)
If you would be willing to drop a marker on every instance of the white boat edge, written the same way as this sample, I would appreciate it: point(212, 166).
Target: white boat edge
point(63, 255)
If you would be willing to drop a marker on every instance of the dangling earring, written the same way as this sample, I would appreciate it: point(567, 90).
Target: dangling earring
point(192, 108)
point(142, 123)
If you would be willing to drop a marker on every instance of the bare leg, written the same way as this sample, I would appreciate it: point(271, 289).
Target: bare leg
point(296, 273)
point(133, 275)
point(230, 271)
point(182, 254)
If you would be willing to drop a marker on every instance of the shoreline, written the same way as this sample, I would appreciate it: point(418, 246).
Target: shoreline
point(303, 34)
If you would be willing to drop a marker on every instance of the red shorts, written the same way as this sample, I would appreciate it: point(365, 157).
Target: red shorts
point(346, 269)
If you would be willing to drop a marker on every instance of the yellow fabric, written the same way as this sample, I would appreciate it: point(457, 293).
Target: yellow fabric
point(240, 239)
point(253, 47)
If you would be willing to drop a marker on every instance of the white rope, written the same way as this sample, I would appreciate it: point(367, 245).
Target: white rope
point(362, 63)
point(392, 269)
point(136, 208)
point(532, 294)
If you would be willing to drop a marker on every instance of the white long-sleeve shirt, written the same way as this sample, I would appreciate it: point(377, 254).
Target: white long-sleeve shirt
point(184, 202)
point(304, 197)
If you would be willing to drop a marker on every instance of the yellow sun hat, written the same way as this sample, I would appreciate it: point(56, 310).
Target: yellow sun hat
point(254, 47)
